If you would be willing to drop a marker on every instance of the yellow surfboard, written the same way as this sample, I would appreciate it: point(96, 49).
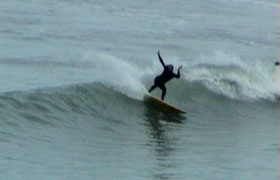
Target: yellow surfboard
point(151, 99)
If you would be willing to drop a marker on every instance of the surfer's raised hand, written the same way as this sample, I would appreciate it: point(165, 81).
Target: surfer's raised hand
point(180, 67)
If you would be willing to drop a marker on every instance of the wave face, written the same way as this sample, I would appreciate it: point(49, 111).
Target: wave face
point(118, 87)
point(52, 105)
point(100, 99)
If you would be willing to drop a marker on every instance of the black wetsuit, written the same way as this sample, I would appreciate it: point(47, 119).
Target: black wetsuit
point(165, 76)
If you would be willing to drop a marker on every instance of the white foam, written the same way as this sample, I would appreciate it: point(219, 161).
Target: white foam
point(222, 73)
point(229, 75)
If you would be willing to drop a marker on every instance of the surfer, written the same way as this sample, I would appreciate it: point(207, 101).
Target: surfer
point(277, 63)
point(165, 76)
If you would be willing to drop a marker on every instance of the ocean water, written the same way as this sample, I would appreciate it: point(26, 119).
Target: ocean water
point(73, 75)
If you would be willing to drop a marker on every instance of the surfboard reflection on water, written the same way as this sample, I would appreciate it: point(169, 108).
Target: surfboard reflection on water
point(155, 115)
point(159, 124)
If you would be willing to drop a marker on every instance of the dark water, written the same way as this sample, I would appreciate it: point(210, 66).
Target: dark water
point(74, 133)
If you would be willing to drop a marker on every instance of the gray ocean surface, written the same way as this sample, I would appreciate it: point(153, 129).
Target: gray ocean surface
point(74, 73)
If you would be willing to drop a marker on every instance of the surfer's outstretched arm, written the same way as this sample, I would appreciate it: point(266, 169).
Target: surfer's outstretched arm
point(160, 59)
point(178, 73)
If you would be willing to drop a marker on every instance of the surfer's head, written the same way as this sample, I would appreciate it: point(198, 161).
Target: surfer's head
point(170, 67)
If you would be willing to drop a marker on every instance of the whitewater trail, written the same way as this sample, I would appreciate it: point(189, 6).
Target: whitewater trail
point(230, 76)
point(220, 72)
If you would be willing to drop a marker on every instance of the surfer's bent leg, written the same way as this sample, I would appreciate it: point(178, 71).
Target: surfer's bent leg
point(152, 88)
point(163, 88)
point(156, 84)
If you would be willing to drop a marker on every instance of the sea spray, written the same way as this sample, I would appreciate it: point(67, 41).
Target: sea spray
point(228, 75)
point(117, 73)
